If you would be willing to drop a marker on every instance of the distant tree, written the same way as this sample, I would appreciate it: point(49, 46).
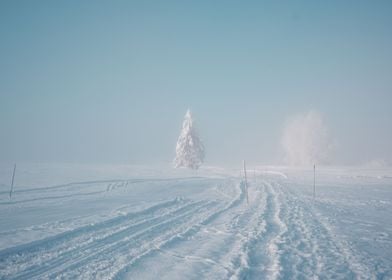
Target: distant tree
point(189, 148)
point(306, 140)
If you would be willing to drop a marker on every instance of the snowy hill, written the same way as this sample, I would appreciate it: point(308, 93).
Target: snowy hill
point(123, 222)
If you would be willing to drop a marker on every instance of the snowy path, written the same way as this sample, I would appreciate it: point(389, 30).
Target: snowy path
point(186, 228)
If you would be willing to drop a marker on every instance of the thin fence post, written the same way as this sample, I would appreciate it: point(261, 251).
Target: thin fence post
point(314, 181)
point(246, 183)
point(12, 182)
point(254, 170)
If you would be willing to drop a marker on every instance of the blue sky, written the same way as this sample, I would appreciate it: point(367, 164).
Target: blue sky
point(110, 81)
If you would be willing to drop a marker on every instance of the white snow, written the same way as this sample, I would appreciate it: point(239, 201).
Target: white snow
point(127, 222)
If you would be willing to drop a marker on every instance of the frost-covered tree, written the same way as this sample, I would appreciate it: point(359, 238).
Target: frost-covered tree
point(306, 140)
point(189, 148)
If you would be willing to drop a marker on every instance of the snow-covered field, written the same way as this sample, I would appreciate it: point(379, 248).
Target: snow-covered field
point(124, 222)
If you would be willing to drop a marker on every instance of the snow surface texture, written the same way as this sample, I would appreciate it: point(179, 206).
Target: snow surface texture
point(122, 222)
point(189, 148)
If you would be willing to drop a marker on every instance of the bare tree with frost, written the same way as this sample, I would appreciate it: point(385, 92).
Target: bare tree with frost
point(189, 148)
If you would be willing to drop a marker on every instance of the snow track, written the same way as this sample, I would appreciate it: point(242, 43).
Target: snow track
point(193, 228)
point(309, 248)
point(87, 246)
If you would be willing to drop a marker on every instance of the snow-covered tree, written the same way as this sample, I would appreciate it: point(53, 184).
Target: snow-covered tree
point(189, 148)
point(306, 140)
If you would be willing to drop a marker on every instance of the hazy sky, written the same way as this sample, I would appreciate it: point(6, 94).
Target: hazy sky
point(110, 81)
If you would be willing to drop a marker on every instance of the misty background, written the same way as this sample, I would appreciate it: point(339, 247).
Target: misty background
point(110, 81)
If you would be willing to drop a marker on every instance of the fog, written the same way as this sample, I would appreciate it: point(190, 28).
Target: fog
point(111, 82)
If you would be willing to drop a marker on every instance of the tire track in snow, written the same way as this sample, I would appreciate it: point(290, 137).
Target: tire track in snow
point(223, 245)
point(247, 247)
point(33, 254)
point(250, 226)
point(104, 261)
point(299, 258)
point(166, 247)
point(92, 249)
point(355, 261)
point(88, 188)
point(310, 250)
point(105, 182)
point(262, 253)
